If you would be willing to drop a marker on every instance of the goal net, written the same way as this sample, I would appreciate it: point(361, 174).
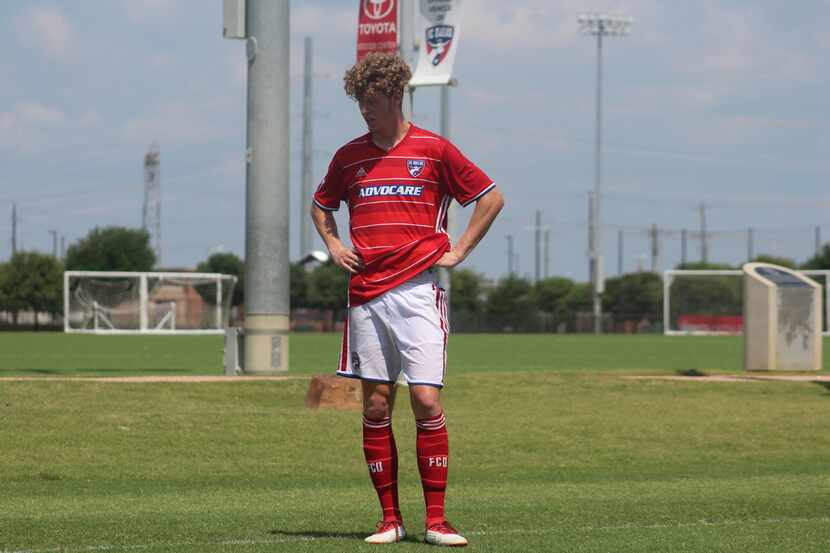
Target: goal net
point(104, 302)
point(711, 301)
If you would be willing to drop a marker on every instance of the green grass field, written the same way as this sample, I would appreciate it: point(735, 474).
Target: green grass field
point(552, 450)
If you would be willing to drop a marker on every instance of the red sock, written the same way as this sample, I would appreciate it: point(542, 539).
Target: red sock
point(382, 459)
point(433, 453)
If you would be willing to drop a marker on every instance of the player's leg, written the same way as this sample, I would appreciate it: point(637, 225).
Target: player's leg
point(382, 458)
point(421, 335)
point(371, 358)
point(432, 445)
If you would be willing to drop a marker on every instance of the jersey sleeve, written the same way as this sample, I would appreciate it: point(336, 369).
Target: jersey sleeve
point(465, 181)
point(331, 190)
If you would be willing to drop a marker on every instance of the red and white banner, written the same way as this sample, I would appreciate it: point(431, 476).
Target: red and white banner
point(438, 28)
point(377, 27)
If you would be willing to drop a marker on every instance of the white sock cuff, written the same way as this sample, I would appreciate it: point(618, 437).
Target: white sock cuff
point(435, 423)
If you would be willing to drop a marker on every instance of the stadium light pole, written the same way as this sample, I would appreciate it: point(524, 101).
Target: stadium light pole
point(599, 25)
point(265, 26)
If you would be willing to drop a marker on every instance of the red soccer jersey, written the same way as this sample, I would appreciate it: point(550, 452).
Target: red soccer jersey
point(398, 203)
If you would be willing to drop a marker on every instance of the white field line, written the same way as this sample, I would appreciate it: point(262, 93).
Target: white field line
point(493, 532)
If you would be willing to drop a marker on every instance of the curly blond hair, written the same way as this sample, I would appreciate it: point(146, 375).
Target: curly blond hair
point(376, 73)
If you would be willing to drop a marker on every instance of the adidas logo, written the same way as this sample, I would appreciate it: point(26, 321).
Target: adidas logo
point(361, 172)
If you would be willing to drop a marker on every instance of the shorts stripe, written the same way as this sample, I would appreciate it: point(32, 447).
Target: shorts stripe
point(344, 347)
point(441, 307)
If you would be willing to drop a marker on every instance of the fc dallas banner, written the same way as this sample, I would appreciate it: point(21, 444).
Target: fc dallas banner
point(437, 22)
point(377, 27)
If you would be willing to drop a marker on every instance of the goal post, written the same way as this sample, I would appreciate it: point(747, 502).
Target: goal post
point(710, 302)
point(124, 302)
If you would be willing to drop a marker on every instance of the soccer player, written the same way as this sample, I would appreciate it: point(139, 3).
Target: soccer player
point(398, 181)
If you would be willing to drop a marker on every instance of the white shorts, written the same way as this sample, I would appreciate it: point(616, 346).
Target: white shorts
point(404, 329)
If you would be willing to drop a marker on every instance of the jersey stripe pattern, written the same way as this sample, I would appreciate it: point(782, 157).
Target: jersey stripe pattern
point(398, 202)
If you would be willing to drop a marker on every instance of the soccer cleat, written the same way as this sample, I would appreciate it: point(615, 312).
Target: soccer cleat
point(444, 534)
point(388, 532)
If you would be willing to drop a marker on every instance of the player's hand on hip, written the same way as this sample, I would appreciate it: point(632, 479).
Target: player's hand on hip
point(348, 259)
point(449, 259)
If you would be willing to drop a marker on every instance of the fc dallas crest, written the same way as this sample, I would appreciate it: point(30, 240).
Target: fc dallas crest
point(439, 40)
point(415, 166)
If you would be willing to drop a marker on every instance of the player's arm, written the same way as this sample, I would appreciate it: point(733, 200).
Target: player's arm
point(343, 257)
point(485, 212)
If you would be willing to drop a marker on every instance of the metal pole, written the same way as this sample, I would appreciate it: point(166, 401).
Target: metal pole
point(14, 229)
point(538, 247)
point(510, 255)
point(597, 191)
point(405, 24)
point(818, 240)
point(444, 274)
point(54, 234)
point(655, 247)
point(620, 252)
point(683, 237)
point(599, 25)
point(267, 184)
point(704, 248)
point(305, 222)
point(750, 244)
point(546, 273)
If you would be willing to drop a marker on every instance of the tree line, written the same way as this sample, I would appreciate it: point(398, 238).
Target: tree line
point(33, 282)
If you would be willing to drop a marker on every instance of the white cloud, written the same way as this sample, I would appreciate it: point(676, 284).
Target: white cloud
point(48, 30)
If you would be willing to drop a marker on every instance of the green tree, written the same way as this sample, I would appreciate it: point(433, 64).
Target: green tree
point(112, 249)
point(298, 285)
point(819, 261)
point(579, 299)
point(327, 287)
point(226, 264)
point(510, 306)
point(548, 293)
point(782, 261)
point(634, 296)
point(31, 281)
point(466, 300)
point(466, 291)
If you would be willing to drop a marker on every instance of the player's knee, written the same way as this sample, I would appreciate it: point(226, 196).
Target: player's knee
point(426, 402)
point(377, 407)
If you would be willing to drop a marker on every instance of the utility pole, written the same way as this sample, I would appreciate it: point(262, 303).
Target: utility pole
point(683, 238)
point(654, 234)
point(547, 253)
point(818, 239)
point(619, 252)
point(444, 273)
point(151, 214)
point(14, 229)
point(63, 246)
point(704, 247)
point(54, 234)
point(406, 23)
point(267, 187)
point(510, 256)
point(538, 247)
point(305, 187)
point(750, 244)
point(599, 25)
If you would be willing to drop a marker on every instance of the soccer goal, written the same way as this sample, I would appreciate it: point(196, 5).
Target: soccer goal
point(710, 302)
point(104, 302)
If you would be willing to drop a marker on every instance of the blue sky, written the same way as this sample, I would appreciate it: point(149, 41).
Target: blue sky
point(722, 103)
